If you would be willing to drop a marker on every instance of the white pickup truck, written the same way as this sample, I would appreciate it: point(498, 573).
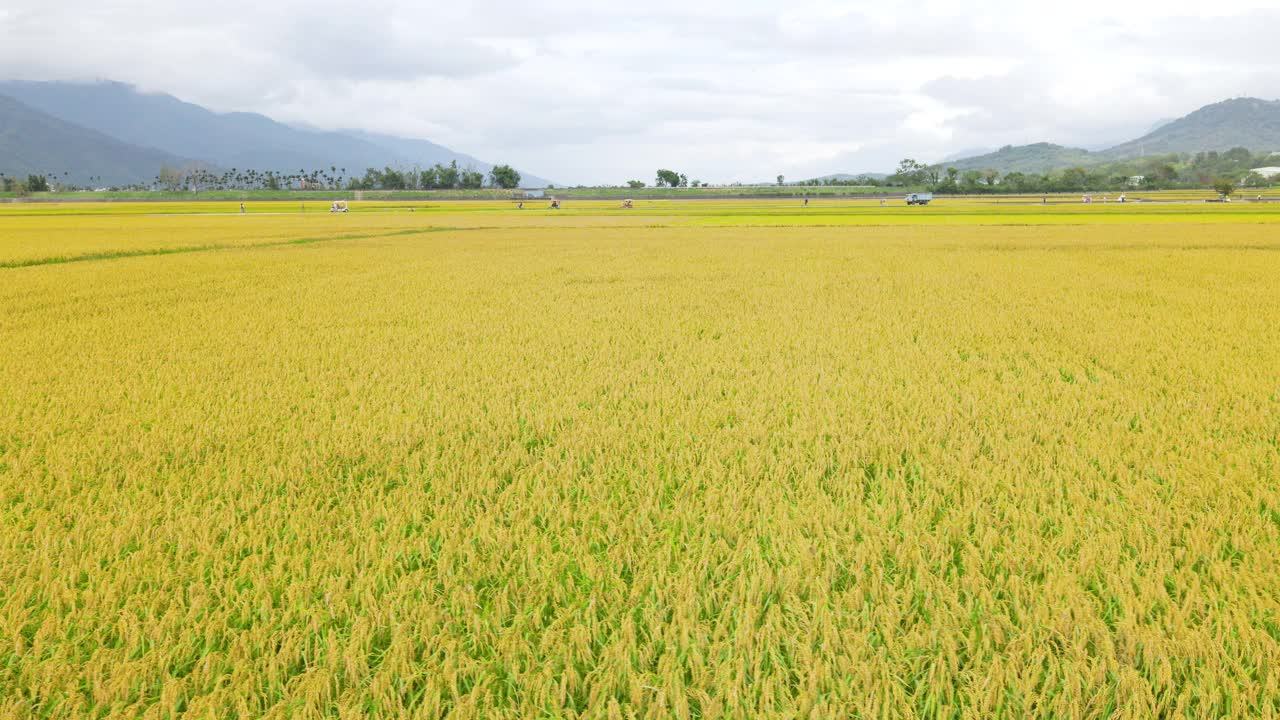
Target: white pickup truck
point(919, 198)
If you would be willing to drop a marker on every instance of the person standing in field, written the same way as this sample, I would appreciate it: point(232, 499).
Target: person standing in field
point(806, 202)
point(241, 208)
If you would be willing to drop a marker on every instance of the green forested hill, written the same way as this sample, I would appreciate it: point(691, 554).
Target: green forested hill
point(1249, 123)
point(1037, 158)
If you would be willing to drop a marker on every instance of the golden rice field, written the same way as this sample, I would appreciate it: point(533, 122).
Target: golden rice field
point(714, 460)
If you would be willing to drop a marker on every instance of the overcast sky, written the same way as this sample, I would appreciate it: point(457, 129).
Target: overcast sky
point(590, 91)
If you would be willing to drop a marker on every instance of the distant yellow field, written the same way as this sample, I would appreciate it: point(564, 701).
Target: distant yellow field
point(488, 462)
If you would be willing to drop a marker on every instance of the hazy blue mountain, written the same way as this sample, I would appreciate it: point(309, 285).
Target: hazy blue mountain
point(239, 140)
point(36, 143)
point(229, 140)
point(847, 177)
point(1241, 122)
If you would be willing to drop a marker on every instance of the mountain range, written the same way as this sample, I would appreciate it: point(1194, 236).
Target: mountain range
point(36, 143)
point(110, 133)
point(1240, 122)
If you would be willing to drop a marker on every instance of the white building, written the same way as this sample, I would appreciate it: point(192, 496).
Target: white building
point(1267, 172)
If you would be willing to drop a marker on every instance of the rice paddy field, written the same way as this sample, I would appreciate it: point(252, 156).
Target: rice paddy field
point(693, 460)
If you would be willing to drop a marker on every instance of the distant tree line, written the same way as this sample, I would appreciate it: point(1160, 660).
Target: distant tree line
point(437, 177)
point(197, 178)
point(33, 183)
point(1223, 171)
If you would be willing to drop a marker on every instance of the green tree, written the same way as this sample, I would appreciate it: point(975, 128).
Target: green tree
point(471, 179)
point(635, 184)
point(393, 179)
point(37, 183)
point(909, 172)
point(1224, 186)
point(1075, 179)
point(449, 176)
point(948, 185)
point(1253, 179)
point(1238, 155)
point(429, 179)
point(782, 179)
point(505, 177)
point(372, 180)
point(1015, 182)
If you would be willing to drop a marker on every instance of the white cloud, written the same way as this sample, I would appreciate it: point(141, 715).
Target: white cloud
point(584, 91)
